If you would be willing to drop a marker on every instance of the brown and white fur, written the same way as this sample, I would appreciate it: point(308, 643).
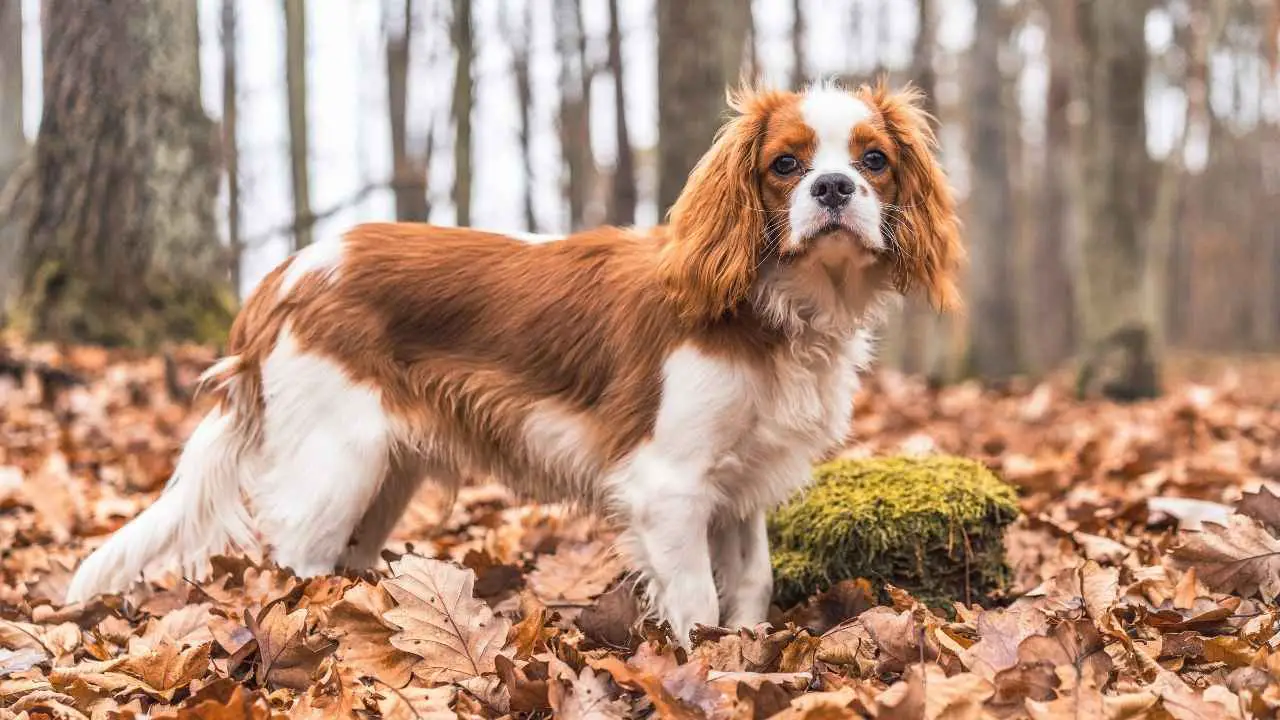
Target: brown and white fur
point(681, 379)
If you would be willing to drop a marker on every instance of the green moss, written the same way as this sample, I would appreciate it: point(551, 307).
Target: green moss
point(933, 526)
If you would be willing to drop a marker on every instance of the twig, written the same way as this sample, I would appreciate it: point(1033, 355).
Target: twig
point(308, 221)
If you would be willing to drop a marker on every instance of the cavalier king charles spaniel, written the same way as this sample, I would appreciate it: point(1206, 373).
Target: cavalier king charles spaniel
point(680, 379)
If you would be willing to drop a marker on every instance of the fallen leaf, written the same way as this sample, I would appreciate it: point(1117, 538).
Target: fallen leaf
point(1239, 557)
point(1262, 505)
point(456, 635)
point(926, 692)
point(364, 638)
point(575, 573)
point(585, 696)
point(287, 655)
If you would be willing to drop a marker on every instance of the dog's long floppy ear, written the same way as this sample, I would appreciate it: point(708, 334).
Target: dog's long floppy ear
point(717, 223)
point(927, 228)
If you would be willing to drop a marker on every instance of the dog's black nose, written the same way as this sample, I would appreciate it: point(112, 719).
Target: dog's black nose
point(832, 190)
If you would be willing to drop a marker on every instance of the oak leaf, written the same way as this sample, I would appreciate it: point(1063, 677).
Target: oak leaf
point(456, 635)
point(364, 638)
point(1239, 557)
point(287, 655)
point(575, 573)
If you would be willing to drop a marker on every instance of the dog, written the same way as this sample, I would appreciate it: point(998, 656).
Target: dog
point(681, 379)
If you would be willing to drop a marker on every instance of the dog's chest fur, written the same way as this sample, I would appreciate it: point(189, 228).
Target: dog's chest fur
point(750, 431)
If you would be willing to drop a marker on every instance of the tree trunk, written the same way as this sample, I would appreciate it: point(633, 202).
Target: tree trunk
point(993, 350)
point(799, 71)
point(230, 137)
point(121, 245)
point(622, 201)
point(1113, 175)
point(1051, 331)
point(917, 343)
point(463, 90)
point(13, 144)
point(700, 49)
point(295, 28)
point(517, 34)
point(575, 109)
point(409, 175)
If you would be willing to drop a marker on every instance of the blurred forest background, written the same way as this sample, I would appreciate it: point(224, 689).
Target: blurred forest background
point(1119, 160)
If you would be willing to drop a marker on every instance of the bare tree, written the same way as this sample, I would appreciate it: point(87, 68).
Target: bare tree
point(700, 51)
point(409, 173)
point(799, 71)
point(518, 32)
point(575, 109)
point(463, 92)
point(13, 144)
point(295, 29)
point(622, 201)
point(993, 350)
point(1112, 175)
point(1049, 325)
point(121, 245)
point(230, 137)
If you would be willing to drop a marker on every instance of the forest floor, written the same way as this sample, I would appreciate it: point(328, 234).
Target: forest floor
point(519, 610)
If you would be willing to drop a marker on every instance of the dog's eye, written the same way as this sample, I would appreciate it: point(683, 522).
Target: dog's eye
point(874, 160)
point(785, 164)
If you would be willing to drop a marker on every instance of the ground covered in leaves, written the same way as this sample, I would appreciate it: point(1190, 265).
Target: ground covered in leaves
point(1147, 568)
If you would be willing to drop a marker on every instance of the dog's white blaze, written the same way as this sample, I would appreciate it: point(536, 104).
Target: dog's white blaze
point(324, 257)
point(833, 113)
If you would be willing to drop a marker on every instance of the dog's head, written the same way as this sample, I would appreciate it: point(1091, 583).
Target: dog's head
point(794, 171)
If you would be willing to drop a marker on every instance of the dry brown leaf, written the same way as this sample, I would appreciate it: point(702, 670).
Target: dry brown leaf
point(364, 638)
point(1262, 505)
point(1239, 557)
point(901, 637)
point(1101, 549)
point(927, 693)
point(418, 703)
point(1072, 644)
point(1000, 633)
point(666, 703)
point(288, 656)
point(575, 573)
point(585, 696)
point(456, 635)
point(1087, 702)
point(1183, 703)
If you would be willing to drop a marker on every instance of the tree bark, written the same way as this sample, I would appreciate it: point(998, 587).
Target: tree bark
point(575, 110)
point(700, 50)
point(993, 349)
point(517, 34)
point(13, 144)
point(1111, 184)
point(622, 200)
point(230, 138)
point(463, 91)
point(409, 175)
point(121, 244)
point(295, 28)
point(799, 71)
point(1051, 330)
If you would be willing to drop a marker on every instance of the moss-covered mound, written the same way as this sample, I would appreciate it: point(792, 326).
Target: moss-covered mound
point(932, 526)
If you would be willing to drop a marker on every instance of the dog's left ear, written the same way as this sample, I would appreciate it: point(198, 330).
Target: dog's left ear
point(927, 230)
point(717, 223)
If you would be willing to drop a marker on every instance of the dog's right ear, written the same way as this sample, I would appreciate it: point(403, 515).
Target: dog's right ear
point(717, 223)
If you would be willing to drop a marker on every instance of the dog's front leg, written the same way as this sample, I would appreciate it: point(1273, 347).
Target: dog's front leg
point(749, 598)
point(668, 522)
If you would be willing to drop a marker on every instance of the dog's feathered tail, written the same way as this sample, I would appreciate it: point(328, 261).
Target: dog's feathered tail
point(200, 513)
